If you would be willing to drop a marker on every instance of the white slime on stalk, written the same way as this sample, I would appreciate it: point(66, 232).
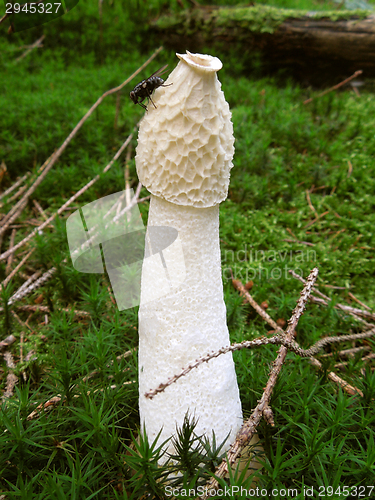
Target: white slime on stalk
point(184, 156)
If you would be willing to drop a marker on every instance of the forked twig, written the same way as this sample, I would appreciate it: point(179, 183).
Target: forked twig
point(291, 345)
point(248, 429)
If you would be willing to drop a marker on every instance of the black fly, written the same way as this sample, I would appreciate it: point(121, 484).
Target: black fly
point(146, 87)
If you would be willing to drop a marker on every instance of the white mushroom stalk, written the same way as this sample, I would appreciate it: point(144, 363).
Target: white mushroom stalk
point(184, 156)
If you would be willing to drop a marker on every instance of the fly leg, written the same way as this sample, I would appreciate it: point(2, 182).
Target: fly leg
point(150, 98)
point(143, 106)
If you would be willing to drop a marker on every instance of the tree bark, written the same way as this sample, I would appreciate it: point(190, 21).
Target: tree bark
point(337, 41)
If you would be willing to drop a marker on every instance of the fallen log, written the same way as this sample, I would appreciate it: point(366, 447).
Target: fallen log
point(337, 41)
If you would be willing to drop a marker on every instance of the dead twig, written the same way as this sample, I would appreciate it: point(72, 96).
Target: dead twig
point(46, 309)
point(325, 299)
point(338, 380)
point(300, 242)
point(60, 150)
point(310, 204)
point(40, 210)
point(7, 342)
point(248, 429)
point(350, 169)
point(67, 203)
point(316, 219)
point(36, 44)
point(14, 186)
point(358, 301)
point(335, 87)
point(10, 258)
point(11, 378)
point(279, 339)
point(14, 272)
point(22, 323)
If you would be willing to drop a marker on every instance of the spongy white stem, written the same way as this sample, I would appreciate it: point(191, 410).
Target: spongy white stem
point(183, 325)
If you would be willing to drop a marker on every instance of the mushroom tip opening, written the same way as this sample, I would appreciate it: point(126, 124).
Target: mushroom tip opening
point(202, 62)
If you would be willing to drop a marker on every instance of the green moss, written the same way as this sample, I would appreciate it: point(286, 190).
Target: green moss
point(258, 18)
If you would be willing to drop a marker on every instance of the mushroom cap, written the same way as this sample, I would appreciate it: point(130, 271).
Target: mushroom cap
point(185, 144)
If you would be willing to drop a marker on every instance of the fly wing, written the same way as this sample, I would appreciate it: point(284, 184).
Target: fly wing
point(159, 72)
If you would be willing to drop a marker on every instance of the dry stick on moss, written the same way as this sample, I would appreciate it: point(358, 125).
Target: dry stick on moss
point(359, 302)
point(335, 87)
point(58, 153)
point(40, 209)
point(331, 375)
point(300, 242)
point(8, 219)
point(14, 272)
point(69, 202)
point(16, 195)
point(11, 377)
point(56, 399)
point(45, 309)
point(25, 285)
point(7, 342)
point(22, 323)
point(248, 429)
point(38, 43)
point(312, 208)
point(10, 258)
point(326, 299)
point(316, 219)
point(14, 186)
point(18, 207)
point(279, 339)
point(25, 290)
point(338, 380)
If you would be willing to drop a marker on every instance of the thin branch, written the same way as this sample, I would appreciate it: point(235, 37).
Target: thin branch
point(280, 339)
point(248, 429)
point(37, 43)
point(40, 209)
point(67, 203)
point(7, 342)
point(300, 242)
point(10, 258)
point(326, 299)
point(46, 309)
point(14, 186)
point(316, 219)
point(338, 380)
point(310, 204)
point(335, 87)
point(58, 153)
point(27, 283)
point(14, 272)
point(358, 301)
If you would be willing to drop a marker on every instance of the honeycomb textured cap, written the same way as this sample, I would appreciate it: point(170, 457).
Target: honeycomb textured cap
point(185, 144)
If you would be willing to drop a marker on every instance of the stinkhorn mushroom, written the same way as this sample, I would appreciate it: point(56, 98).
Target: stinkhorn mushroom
point(184, 156)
